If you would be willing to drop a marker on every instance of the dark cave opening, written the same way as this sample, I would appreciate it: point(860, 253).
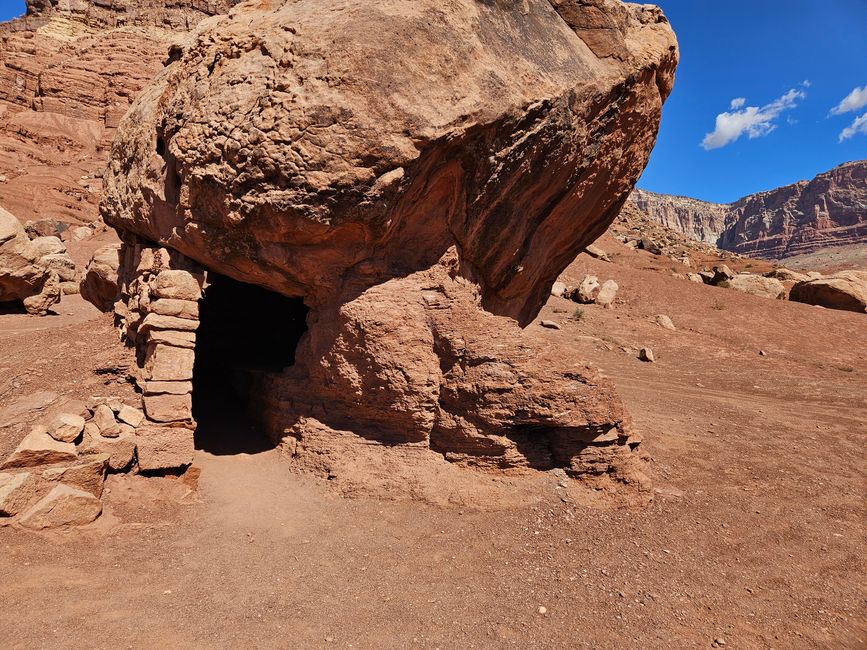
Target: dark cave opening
point(245, 332)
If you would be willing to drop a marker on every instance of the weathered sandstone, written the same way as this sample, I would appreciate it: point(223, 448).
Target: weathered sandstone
point(418, 205)
point(846, 290)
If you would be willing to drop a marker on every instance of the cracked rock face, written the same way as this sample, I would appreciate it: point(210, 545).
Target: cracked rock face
point(407, 154)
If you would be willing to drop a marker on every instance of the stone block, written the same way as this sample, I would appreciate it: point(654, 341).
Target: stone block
point(159, 322)
point(161, 448)
point(168, 363)
point(177, 284)
point(169, 408)
point(187, 309)
point(120, 450)
point(167, 387)
point(173, 338)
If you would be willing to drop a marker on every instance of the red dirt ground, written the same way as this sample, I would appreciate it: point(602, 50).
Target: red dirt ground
point(756, 535)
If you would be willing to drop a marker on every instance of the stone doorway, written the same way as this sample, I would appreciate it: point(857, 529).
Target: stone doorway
point(245, 333)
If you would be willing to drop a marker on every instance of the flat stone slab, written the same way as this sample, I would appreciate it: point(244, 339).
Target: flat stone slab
point(63, 506)
point(88, 474)
point(39, 448)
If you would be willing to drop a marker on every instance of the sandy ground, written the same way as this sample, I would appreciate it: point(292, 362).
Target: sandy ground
point(756, 534)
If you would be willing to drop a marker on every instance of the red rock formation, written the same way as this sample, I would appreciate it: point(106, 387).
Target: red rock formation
point(421, 191)
point(830, 210)
point(68, 72)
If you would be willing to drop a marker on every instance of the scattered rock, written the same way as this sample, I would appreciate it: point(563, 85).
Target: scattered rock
point(721, 273)
point(130, 415)
point(597, 253)
point(587, 291)
point(558, 289)
point(66, 427)
point(120, 450)
point(39, 448)
point(650, 246)
point(607, 293)
point(786, 275)
point(762, 353)
point(543, 610)
point(664, 321)
point(63, 506)
point(845, 290)
point(695, 277)
point(17, 491)
point(103, 418)
point(646, 354)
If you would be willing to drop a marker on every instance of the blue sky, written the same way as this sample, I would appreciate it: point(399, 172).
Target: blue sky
point(761, 52)
point(11, 9)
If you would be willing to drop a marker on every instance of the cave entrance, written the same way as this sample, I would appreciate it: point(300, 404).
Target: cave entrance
point(245, 332)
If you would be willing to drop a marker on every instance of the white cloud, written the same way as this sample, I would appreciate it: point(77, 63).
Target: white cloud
point(852, 102)
point(737, 102)
point(806, 83)
point(753, 120)
point(858, 126)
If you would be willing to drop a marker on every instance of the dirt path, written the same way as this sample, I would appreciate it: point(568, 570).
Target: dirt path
point(756, 534)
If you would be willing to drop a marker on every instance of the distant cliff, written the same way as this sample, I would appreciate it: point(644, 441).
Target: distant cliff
point(828, 211)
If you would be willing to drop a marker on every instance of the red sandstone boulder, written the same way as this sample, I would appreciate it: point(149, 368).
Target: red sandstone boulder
point(846, 290)
point(419, 173)
point(99, 284)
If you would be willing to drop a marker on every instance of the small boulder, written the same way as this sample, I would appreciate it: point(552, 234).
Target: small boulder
point(39, 448)
point(597, 253)
point(550, 325)
point(695, 277)
point(103, 418)
point(587, 291)
point(786, 275)
point(646, 354)
point(63, 506)
point(130, 415)
point(607, 293)
point(721, 274)
point(66, 427)
point(120, 450)
point(558, 290)
point(664, 321)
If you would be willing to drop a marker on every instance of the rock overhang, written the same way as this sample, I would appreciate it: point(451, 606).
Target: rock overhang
point(275, 153)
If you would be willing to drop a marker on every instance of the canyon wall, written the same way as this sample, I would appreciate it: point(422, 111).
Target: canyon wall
point(828, 211)
point(69, 70)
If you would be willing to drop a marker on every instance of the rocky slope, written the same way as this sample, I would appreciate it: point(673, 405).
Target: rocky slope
point(68, 73)
point(807, 216)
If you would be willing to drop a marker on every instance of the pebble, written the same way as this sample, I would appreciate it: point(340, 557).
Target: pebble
point(719, 642)
point(762, 353)
point(646, 354)
point(543, 610)
point(551, 325)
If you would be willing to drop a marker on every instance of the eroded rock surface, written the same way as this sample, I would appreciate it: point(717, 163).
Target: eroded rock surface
point(422, 205)
point(846, 290)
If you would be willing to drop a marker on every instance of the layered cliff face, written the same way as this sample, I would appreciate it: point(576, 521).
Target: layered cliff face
point(69, 70)
point(828, 211)
point(699, 220)
point(420, 191)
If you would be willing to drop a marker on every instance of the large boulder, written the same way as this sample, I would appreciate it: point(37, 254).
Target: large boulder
point(99, 282)
point(289, 147)
point(756, 285)
point(29, 269)
point(846, 290)
point(419, 173)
